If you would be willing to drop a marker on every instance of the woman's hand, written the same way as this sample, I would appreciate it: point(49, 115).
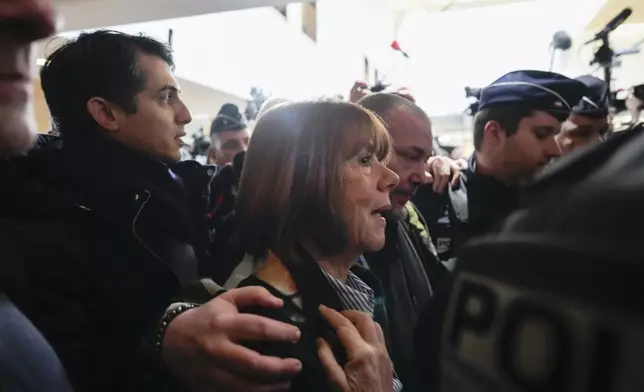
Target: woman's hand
point(369, 368)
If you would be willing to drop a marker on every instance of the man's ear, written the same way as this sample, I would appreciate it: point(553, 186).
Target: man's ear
point(104, 113)
point(495, 134)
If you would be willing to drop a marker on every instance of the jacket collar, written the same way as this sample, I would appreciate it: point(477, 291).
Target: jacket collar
point(97, 154)
point(488, 183)
point(93, 173)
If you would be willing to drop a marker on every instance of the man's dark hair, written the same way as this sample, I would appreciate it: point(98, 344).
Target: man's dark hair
point(98, 64)
point(508, 117)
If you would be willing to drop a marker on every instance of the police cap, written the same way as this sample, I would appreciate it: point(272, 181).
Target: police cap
point(547, 91)
point(229, 118)
point(595, 103)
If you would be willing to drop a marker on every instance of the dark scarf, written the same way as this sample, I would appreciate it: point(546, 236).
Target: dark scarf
point(401, 270)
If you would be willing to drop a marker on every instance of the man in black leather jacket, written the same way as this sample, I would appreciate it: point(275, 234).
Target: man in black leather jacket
point(107, 233)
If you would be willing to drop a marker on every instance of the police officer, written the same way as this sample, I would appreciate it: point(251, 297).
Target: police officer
point(229, 135)
point(588, 123)
point(519, 116)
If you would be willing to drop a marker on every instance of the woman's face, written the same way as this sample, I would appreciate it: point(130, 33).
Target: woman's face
point(366, 186)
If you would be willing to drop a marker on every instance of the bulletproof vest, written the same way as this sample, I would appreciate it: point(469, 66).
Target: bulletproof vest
point(555, 302)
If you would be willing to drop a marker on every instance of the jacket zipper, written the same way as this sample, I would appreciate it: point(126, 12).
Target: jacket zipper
point(136, 218)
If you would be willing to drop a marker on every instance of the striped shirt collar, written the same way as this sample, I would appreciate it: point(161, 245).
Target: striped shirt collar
point(354, 294)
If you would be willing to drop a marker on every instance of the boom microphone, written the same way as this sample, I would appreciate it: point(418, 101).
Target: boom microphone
point(612, 25)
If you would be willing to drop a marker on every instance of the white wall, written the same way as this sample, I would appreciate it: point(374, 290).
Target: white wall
point(88, 14)
point(349, 31)
point(204, 103)
point(474, 47)
point(234, 51)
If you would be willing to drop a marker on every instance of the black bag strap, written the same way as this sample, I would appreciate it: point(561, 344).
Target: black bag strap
point(315, 290)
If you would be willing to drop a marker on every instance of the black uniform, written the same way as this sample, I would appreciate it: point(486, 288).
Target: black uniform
point(476, 205)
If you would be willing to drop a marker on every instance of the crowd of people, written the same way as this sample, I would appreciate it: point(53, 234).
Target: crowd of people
point(332, 250)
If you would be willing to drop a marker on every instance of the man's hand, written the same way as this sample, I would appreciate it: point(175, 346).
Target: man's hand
point(443, 171)
point(201, 346)
point(369, 368)
point(405, 93)
point(360, 90)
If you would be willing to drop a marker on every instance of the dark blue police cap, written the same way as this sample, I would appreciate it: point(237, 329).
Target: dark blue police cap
point(229, 118)
point(595, 103)
point(547, 91)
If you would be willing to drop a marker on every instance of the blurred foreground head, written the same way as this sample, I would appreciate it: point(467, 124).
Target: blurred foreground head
point(21, 23)
point(555, 301)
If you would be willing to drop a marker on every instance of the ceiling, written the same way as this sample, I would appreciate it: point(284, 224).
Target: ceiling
point(613, 7)
point(87, 14)
point(444, 5)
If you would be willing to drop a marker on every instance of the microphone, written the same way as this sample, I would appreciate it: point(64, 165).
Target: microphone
point(612, 25)
point(626, 52)
point(396, 46)
point(561, 40)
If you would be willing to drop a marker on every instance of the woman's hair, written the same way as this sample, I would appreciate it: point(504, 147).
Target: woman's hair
point(270, 104)
point(290, 191)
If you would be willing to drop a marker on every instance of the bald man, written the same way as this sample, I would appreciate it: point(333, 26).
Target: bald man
point(407, 266)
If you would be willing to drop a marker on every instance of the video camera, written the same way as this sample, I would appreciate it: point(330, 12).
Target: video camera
point(378, 87)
